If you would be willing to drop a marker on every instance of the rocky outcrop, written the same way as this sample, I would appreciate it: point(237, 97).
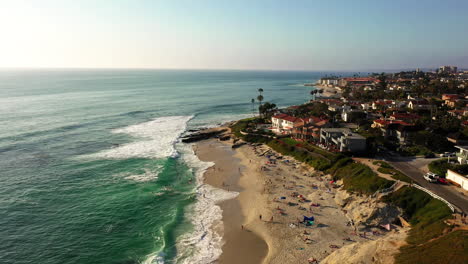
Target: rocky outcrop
point(205, 134)
point(366, 210)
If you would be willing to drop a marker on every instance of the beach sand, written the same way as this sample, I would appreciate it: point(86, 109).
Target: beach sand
point(271, 230)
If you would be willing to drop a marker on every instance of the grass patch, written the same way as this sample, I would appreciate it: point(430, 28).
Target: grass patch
point(360, 178)
point(424, 213)
point(451, 248)
point(382, 164)
point(242, 125)
point(386, 168)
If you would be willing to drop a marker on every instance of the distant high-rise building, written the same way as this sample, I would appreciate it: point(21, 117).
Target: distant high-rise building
point(448, 69)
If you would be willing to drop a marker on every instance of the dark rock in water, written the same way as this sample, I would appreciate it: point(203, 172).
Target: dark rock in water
point(224, 137)
point(238, 145)
point(202, 135)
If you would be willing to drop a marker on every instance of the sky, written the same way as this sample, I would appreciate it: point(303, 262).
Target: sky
point(318, 35)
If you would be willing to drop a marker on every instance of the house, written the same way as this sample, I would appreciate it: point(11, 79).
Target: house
point(457, 138)
point(310, 131)
point(397, 129)
point(365, 106)
point(381, 104)
point(335, 107)
point(330, 81)
point(453, 103)
point(406, 117)
point(419, 104)
point(458, 179)
point(353, 115)
point(450, 97)
point(284, 123)
point(343, 139)
point(462, 155)
point(458, 113)
point(359, 81)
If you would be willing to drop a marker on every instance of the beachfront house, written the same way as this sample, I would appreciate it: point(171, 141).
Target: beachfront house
point(342, 139)
point(284, 123)
point(310, 131)
point(462, 155)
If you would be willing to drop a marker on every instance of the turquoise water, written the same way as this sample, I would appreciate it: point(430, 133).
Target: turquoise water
point(90, 168)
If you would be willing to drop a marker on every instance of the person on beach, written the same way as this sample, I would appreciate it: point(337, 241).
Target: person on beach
point(271, 219)
point(260, 216)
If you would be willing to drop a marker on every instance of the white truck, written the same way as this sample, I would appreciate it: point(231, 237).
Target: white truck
point(430, 177)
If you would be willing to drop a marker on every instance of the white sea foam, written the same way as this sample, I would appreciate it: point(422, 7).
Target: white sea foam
point(203, 244)
point(146, 176)
point(156, 139)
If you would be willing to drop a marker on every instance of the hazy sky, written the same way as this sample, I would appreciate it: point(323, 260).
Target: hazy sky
point(234, 34)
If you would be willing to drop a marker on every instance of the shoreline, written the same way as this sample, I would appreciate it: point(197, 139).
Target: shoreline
point(240, 245)
point(271, 191)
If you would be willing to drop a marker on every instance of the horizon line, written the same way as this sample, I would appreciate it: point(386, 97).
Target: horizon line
point(218, 69)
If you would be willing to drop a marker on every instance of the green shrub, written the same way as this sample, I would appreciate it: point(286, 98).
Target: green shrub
point(386, 168)
point(358, 177)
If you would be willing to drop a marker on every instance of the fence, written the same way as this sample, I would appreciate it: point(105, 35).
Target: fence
point(435, 196)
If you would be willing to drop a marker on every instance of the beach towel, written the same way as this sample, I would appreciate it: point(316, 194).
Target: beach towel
point(308, 218)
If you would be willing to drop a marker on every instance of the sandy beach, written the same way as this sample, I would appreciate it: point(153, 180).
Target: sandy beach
point(264, 224)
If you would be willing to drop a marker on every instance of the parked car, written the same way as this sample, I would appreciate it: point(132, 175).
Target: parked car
point(430, 177)
point(442, 181)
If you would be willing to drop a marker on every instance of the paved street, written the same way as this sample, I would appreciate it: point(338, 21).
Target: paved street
point(414, 170)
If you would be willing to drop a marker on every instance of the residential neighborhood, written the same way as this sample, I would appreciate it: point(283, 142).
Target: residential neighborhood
point(411, 114)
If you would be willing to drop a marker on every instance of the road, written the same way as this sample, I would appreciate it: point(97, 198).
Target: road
point(411, 170)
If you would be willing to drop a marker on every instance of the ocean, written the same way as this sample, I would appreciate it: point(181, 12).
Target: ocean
point(92, 169)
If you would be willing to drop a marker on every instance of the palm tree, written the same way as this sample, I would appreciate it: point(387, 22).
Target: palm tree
point(260, 99)
point(313, 93)
point(253, 106)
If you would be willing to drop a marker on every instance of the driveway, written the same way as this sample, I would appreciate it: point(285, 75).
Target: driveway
point(415, 169)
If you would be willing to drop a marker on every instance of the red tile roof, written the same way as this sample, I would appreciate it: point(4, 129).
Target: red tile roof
point(405, 116)
point(360, 79)
point(451, 96)
point(383, 102)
